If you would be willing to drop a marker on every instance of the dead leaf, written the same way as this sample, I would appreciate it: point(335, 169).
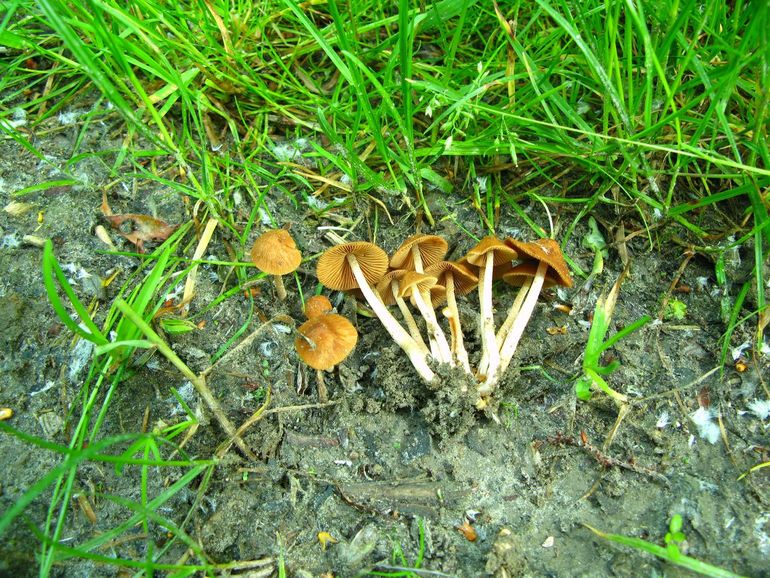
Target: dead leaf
point(142, 227)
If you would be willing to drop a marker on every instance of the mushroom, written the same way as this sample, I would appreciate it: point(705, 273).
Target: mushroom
point(548, 256)
point(317, 305)
point(388, 288)
point(521, 276)
point(361, 264)
point(415, 254)
point(419, 252)
point(486, 255)
point(275, 253)
point(324, 341)
point(417, 286)
point(458, 279)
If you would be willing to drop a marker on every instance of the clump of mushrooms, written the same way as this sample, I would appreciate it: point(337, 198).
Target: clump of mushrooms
point(418, 274)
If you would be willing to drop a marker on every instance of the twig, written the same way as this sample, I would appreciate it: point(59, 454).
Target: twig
point(248, 339)
point(603, 459)
point(255, 417)
point(289, 408)
point(417, 571)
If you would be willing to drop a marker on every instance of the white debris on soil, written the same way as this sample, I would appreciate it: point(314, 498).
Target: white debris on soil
point(708, 430)
point(187, 393)
point(763, 539)
point(290, 151)
point(10, 241)
point(67, 118)
point(663, 420)
point(737, 352)
point(760, 408)
point(18, 118)
point(81, 354)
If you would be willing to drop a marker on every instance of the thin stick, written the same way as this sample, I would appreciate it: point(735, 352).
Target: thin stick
point(254, 418)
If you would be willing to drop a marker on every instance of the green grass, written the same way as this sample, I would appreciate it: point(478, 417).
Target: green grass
point(657, 109)
point(671, 552)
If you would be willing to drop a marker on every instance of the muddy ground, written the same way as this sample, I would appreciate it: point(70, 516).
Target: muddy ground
point(389, 454)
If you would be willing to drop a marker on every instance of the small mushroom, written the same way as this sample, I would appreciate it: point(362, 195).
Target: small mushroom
point(317, 305)
point(419, 252)
point(323, 342)
point(548, 256)
point(275, 253)
point(361, 264)
point(521, 276)
point(486, 255)
point(458, 279)
point(388, 288)
point(417, 286)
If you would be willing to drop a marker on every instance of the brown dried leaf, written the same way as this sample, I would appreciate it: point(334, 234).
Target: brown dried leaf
point(142, 227)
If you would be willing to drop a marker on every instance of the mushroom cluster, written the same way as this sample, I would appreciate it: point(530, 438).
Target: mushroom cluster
point(417, 275)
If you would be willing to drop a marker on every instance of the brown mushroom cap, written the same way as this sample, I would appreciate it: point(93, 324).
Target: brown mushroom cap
point(431, 247)
point(275, 253)
point(333, 269)
point(384, 286)
point(317, 305)
point(412, 280)
point(528, 269)
point(437, 295)
point(325, 340)
point(549, 251)
point(503, 253)
point(465, 280)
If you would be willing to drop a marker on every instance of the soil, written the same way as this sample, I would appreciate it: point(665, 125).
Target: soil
point(390, 457)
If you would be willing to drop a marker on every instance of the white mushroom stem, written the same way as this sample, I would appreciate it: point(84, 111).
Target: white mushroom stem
point(280, 290)
point(444, 354)
point(436, 335)
point(511, 341)
point(513, 312)
point(411, 324)
point(323, 394)
point(393, 327)
point(490, 357)
point(417, 259)
point(458, 345)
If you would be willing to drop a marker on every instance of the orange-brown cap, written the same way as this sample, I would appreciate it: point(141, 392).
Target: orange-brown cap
point(333, 268)
point(385, 285)
point(325, 341)
point(521, 272)
point(317, 305)
point(431, 247)
point(437, 296)
point(412, 280)
point(465, 280)
point(549, 251)
point(502, 252)
point(275, 253)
